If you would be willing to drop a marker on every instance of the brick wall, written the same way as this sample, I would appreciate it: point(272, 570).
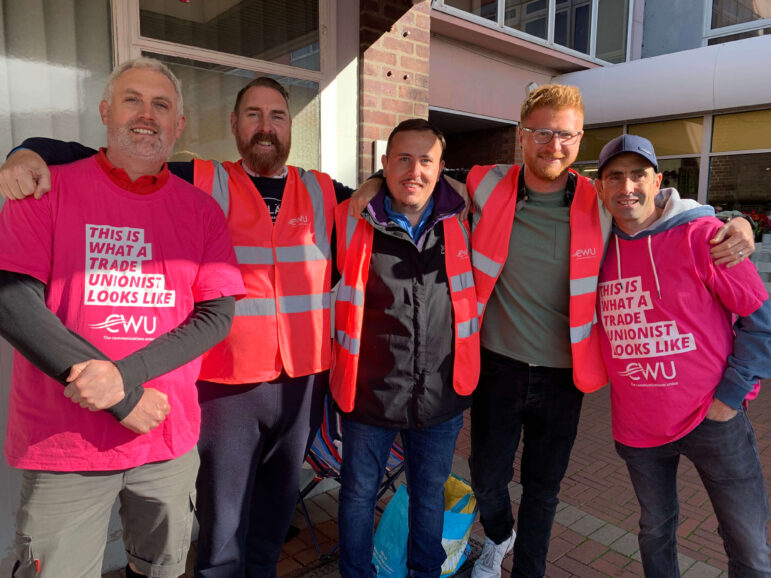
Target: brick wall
point(393, 70)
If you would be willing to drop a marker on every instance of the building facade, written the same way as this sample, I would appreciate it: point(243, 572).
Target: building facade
point(692, 76)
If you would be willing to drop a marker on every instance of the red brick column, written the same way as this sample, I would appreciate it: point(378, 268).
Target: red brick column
point(393, 70)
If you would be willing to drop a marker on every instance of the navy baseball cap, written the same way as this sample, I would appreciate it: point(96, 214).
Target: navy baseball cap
point(627, 143)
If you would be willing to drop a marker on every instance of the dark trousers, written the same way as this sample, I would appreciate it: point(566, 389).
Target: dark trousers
point(513, 397)
point(253, 441)
point(726, 456)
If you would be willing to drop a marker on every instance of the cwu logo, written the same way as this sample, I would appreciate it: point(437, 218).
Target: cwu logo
point(115, 322)
point(585, 253)
point(299, 221)
point(635, 371)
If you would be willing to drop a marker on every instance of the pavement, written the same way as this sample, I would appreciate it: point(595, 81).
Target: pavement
point(594, 533)
point(595, 530)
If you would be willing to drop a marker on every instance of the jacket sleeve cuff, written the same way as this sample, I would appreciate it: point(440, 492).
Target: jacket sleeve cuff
point(125, 406)
point(732, 390)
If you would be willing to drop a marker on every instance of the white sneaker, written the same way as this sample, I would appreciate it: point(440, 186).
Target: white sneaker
point(488, 565)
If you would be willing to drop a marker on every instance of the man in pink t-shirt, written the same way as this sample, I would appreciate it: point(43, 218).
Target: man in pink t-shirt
point(112, 285)
point(680, 369)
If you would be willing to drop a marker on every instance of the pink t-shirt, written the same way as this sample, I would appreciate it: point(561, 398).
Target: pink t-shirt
point(666, 354)
point(121, 269)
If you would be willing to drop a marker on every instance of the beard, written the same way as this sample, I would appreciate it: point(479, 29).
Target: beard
point(264, 162)
point(157, 149)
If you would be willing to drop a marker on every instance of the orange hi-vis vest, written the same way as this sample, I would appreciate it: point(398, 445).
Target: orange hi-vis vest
point(494, 191)
point(354, 249)
point(284, 320)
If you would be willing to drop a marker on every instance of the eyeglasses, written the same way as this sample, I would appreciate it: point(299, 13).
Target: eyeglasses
point(544, 135)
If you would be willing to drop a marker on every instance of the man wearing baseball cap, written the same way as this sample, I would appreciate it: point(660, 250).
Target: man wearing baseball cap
point(681, 372)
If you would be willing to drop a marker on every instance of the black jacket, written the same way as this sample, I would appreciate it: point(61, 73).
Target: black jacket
point(406, 356)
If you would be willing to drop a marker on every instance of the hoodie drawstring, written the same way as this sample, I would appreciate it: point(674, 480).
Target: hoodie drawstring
point(653, 266)
point(650, 255)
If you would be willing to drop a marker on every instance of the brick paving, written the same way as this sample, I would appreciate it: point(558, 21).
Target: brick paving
point(594, 533)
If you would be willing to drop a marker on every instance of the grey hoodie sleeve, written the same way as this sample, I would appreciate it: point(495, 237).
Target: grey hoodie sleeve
point(751, 357)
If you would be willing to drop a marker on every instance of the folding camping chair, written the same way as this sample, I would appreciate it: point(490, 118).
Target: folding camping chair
point(325, 460)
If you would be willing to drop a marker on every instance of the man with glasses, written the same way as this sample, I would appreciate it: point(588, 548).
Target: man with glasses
point(538, 234)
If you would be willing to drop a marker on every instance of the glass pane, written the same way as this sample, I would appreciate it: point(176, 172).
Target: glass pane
point(742, 131)
point(572, 24)
point(740, 36)
point(729, 12)
point(529, 16)
point(283, 31)
point(674, 137)
point(209, 95)
point(588, 170)
point(484, 8)
point(54, 63)
point(612, 26)
point(682, 174)
point(593, 141)
point(740, 182)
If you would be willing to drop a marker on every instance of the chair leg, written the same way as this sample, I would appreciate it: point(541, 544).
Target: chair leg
point(307, 517)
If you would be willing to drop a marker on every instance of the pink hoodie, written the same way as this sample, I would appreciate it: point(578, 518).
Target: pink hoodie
point(667, 314)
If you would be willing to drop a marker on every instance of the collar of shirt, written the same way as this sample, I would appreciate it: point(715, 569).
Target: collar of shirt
point(144, 185)
point(401, 220)
point(251, 173)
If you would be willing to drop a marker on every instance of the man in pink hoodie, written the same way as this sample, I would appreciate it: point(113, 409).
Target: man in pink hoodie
point(681, 370)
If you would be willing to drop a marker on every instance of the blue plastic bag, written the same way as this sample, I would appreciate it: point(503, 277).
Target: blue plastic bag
point(390, 553)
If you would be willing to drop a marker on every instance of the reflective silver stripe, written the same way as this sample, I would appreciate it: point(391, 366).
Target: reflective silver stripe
point(254, 255)
point(480, 307)
point(583, 286)
point(485, 264)
point(468, 328)
point(350, 227)
point(302, 253)
point(350, 295)
point(220, 188)
point(304, 303)
point(348, 343)
point(319, 215)
point(255, 307)
point(461, 282)
point(578, 334)
point(488, 183)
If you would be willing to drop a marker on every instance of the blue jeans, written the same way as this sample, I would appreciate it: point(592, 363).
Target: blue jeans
point(726, 456)
point(513, 397)
point(428, 459)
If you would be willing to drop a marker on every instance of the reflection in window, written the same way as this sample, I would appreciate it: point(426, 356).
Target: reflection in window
point(612, 17)
point(282, 31)
point(210, 94)
point(730, 12)
point(740, 182)
point(673, 137)
point(594, 139)
point(572, 23)
point(54, 60)
point(484, 8)
point(530, 16)
point(682, 174)
point(740, 36)
point(742, 131)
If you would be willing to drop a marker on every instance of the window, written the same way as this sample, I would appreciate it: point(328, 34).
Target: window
point(738, 19)
point(210, 94)
point(740, 179)
point(54, 62)
point(286, 32)
point(566, 25)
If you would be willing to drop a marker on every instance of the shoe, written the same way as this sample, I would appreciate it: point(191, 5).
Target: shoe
point(488, 565)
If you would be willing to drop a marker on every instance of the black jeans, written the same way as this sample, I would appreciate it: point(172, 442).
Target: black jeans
point(513, 397)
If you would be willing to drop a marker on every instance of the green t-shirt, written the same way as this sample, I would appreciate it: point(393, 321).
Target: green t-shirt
point(527, 315)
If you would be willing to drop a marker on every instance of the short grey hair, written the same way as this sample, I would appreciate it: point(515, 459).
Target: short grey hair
point(143, 62)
